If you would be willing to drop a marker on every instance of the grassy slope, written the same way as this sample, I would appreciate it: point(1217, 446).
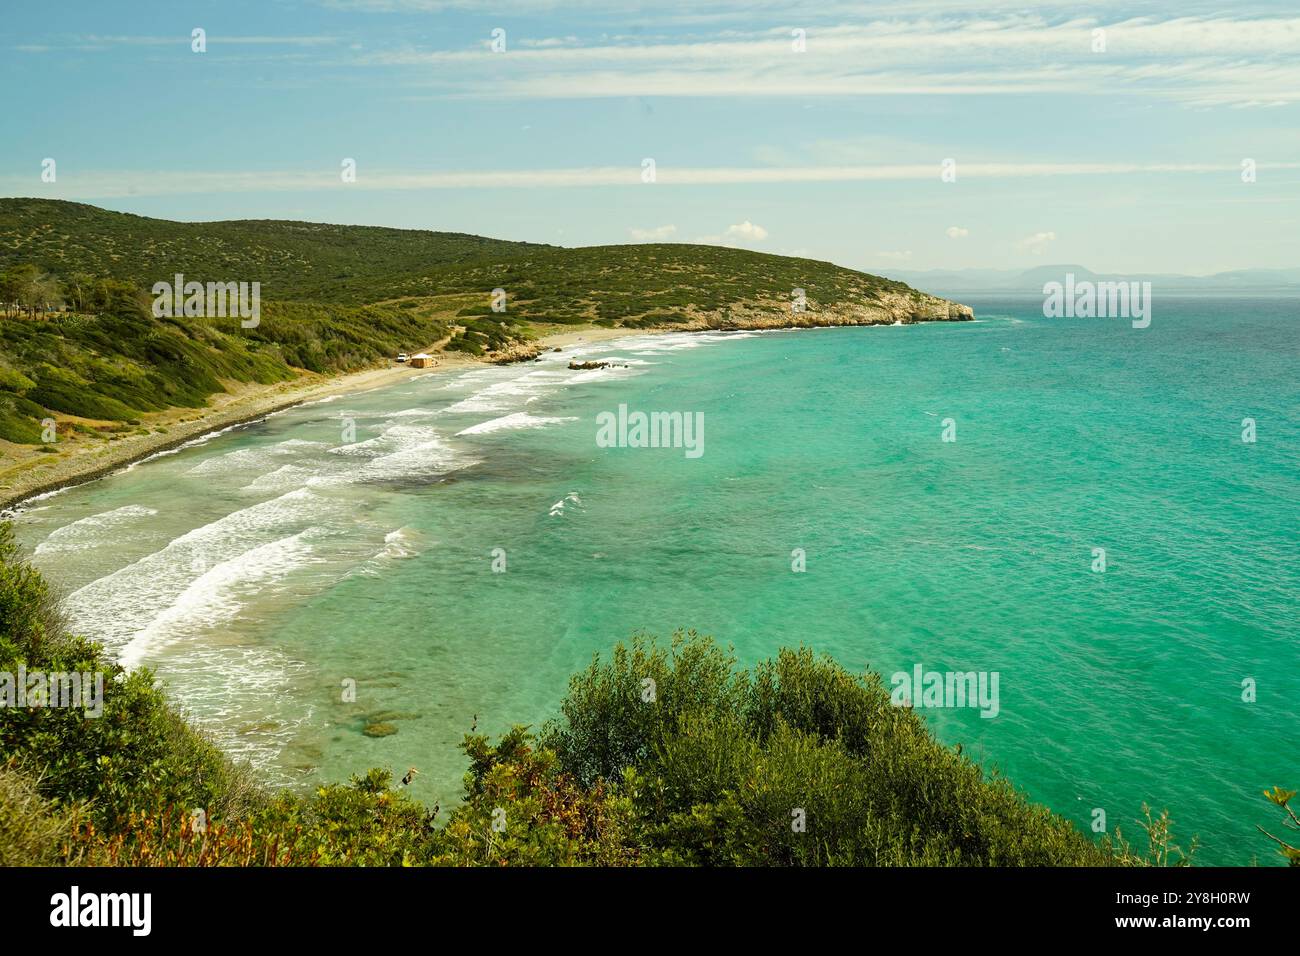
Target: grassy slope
point(666, 280)
point(356, 265)
point(293, 260)
point(340, 298)
point(115, 368)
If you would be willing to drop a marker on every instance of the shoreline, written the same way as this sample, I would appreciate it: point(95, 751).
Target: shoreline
point(248, 404)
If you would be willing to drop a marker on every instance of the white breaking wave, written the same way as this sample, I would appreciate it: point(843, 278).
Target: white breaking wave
point(195, 442)
point(218, 595)
point(283, 478)
point(393, 437)
point(44, 496)
point(676, 341)
point(516, 420)
point(248, 459)
point(114, 608)
point(237, 693)
point(367, 448)
point(402, 543)
point(401, 450)
point(470, 378)
point(409, 451)
point(81, 535)
point(501, 396)
point(557, 509)
point(230, 461)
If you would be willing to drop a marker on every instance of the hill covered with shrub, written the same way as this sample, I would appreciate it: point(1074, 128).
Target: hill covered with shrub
point(116, 366)
point(303, 261)
point(362, 265)
point(78, 337)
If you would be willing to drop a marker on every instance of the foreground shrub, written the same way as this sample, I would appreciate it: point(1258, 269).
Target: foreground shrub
point(520, 809)
point(1290, 825)
point(32, 831)
point(799, 762)
point(362, 823)
point(139, 754)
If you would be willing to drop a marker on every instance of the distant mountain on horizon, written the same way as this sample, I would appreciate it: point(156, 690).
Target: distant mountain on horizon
point(959, 282)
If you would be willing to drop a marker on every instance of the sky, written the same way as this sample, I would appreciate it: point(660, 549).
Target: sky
point(1112, 135)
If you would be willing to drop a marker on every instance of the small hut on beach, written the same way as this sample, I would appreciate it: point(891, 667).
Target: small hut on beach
point(422, 360)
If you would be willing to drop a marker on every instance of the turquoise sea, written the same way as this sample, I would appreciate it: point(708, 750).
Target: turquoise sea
point(263, 569)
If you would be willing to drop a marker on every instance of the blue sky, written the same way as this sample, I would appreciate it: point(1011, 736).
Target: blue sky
point(1124, 159)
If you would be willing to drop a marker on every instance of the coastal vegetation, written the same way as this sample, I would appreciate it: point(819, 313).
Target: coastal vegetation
point(118, 364)
point(82, 353)
point(72, 243)
point(659, 754)
point(297, 261)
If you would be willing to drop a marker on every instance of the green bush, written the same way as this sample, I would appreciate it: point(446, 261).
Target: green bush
point(62, 391)
point(727, 759)
point(20, 420)
point(14, 381)
point(138, 754)
point(32, 832)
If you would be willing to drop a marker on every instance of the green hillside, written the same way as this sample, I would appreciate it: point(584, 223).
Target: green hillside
point(650, 284)
point(292, 260)
point(355, 265)
point(78, 338)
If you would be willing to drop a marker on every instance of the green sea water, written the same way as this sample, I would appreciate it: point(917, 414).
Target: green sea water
point(263, 570)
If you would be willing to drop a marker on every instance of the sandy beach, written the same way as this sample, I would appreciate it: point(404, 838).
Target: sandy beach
point(26, 472)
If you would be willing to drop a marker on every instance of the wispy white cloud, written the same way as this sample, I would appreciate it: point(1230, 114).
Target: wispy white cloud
point(657, 234)
point(746, 232)
point(1037, 243)
point(741, 234)
point(92, 42)
point(101, 184)
point(801, 11)
point(549, 42)
point(1244, 60)
point(1207, 60)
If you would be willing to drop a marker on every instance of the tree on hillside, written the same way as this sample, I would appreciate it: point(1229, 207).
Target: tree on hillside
point(14, 283)
point(44, 294)
point(78, 288)
point(114, 295)
point(26, 288)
